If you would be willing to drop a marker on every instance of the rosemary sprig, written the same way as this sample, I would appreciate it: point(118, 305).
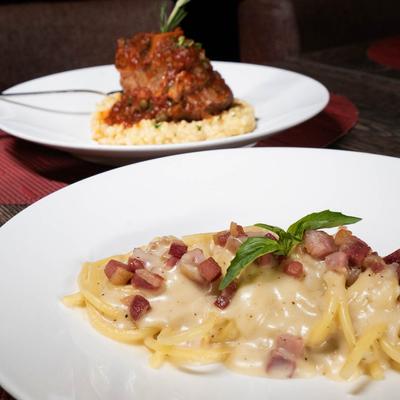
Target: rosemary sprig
point(175, 18)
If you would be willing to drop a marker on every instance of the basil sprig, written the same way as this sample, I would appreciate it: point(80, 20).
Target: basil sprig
point(255, 247)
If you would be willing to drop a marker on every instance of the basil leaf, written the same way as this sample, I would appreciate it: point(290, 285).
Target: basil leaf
point(279, 231)
point(319, 220)
point(286, 240)
point(251, 249)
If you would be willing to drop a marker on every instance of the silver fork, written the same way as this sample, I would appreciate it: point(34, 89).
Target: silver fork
point(6, 97)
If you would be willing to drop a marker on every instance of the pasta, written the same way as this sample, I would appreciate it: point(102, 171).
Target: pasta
point(270, 320)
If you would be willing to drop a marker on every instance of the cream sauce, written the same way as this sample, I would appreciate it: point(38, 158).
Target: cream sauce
point(268, 303)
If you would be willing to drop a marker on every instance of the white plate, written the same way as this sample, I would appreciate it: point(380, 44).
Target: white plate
point(281, 99)
point(50, 352)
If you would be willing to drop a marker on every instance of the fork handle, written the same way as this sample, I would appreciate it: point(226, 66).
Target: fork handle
point(53, 92)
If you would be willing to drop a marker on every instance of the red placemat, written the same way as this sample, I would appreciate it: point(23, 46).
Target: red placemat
point(337, 118)
point(386, 52)
point(29, 172)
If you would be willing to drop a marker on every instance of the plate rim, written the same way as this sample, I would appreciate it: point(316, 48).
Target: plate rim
point(250, 137)
point(12, 387)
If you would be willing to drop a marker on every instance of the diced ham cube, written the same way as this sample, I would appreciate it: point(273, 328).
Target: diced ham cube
point(293, 268)
point(271, 236)
point(177, 249)
point(280, 365)
point(189, 265)
point(195, 257)
point(224, 298)
point(233, 243)
point(291, 343)
point(267, 260)
point(342, 236)
point(117, 272)
point(171, 262)
point(319, 244)
point(236, 230)
point(209, 270)
point(138, 307)
point(355, 249)
point(144, 279)
point(374, 262)
point(134, 264)
point(338, 262)
point(393, 257)
point(220, 238)
point(282, 360)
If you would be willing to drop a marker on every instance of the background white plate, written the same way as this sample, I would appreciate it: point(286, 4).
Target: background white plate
point(281, 99)
point(50, 352)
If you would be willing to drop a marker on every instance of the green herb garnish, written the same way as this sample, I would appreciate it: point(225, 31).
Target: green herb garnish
point(178, 13)
point(181, 40)
point(157, 124)
point(256, 247)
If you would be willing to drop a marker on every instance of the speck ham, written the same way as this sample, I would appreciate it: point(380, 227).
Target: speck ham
point(393, 257)
point(221, 238)
point(171, 262)
point(224, 298)
point(209, 270)
point(282, 359)
point(280, 365)
point(134, 264)
point(267, 260)
point(189, 263)
point(355, 249)
point(138, 307)
point(177, 249)
point(293, 268)
point(144, 279)
point(338, 262)
point(233, 243)
point(319, 244)
point(374, 262)
point(236, 230)
point(270, 235)
point(117, 272)
point(342, 236)
point(291, 343)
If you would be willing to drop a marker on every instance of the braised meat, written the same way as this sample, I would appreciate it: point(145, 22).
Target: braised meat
point(167, 77)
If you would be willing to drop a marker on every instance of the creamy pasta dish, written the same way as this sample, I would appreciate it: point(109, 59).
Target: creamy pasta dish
point(261, 300)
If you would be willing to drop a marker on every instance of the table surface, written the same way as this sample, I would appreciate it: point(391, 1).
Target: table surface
point(374, 89)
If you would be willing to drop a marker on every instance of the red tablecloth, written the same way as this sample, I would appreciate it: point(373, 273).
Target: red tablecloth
point(29, 172)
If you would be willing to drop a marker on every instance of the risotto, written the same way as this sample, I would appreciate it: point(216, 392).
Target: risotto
point(236, 120)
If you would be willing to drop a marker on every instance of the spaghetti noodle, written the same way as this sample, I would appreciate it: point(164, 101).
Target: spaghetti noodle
point(269, 319)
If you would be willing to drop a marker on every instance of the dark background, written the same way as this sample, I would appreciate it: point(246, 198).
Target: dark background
point(42, 37)
point(214, 23)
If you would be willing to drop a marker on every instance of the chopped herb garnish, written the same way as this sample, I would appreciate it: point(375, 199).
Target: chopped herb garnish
point(181, 40)
point(198, 45)
point(255, 247)
point(198, 127)
point(157, 124)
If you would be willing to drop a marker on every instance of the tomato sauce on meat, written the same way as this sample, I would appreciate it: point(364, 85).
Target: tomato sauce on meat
point(166, 77)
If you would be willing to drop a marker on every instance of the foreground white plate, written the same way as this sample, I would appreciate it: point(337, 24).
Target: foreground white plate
point(50, 352)
point(281, 99)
